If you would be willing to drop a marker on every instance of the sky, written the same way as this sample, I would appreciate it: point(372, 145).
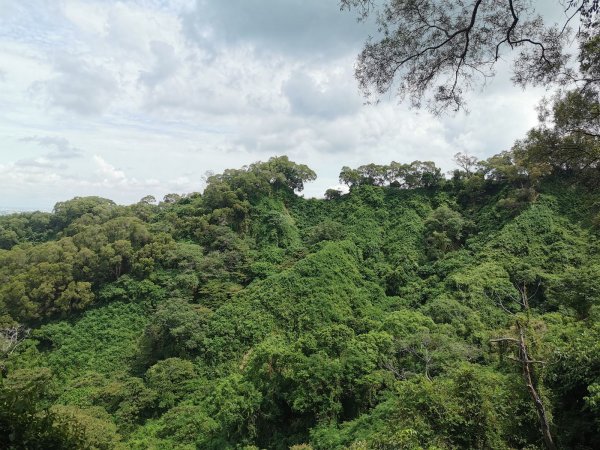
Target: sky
point(123, 99)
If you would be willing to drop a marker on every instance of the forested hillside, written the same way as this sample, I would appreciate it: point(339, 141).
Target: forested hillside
point(415, 311)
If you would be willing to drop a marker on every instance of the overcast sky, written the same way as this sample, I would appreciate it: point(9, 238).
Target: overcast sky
point(129, 98)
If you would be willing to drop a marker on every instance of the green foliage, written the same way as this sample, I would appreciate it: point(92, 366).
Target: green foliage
point(25, 227)
point(25, 419)
point(445, 230)
point(188, 424)
point(170, 378)
point(128, 400)
point(95, 425)
point(249, 317)
point(414, 175)
point(324, 288)
point(275, 226)
point(73, 215)
point(573, 375)
point(578, 288)
point(460, 410)
point(328, 230)
point(103, 340)
point(175, 329)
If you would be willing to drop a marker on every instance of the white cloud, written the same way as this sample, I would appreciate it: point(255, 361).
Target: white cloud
point(109, 172)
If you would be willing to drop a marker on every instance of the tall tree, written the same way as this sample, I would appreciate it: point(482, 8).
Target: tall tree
point(437, 50)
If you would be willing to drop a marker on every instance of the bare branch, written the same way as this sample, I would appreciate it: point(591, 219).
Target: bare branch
point(11, 337)
point(504, 339)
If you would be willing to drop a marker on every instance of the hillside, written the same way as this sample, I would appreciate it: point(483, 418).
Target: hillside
point(411, 312)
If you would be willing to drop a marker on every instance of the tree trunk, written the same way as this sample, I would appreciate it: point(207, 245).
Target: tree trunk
point(527, 366)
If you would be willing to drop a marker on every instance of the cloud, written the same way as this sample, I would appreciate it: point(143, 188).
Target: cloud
point(308, 28)
point(165, 64)
point(110, 176)
point(329, 99)
point(61, 147)
point(25, 189)
point(58, 149)
point(232, 83)
point(127, 26)
point(79, 86)
point(39, 163)
point(109, 172)
point(366, 132)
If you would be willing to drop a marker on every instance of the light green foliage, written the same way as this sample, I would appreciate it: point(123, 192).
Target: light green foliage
point(102, 340)
point(578, 288)
point(170, 378)
point(188, 424)
point(324, 288)
point(94, 424)
point(445, 230)
point(275, 226)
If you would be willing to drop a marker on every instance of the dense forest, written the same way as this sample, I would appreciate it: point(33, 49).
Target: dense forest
point(417, 310)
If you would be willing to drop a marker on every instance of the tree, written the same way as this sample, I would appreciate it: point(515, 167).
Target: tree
point(444, 230)
point(466, 162)
point(578, 288)
point(148, 200)
point(436, 50)
point(25, 420)
point(349, 176)
point(170, 378)
point(286, 173)
point(44, 290)
point(331, 194)
point(524, 359)
point(67, 212)
point(416, 174)
point(170, 198)
point(175, 329)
